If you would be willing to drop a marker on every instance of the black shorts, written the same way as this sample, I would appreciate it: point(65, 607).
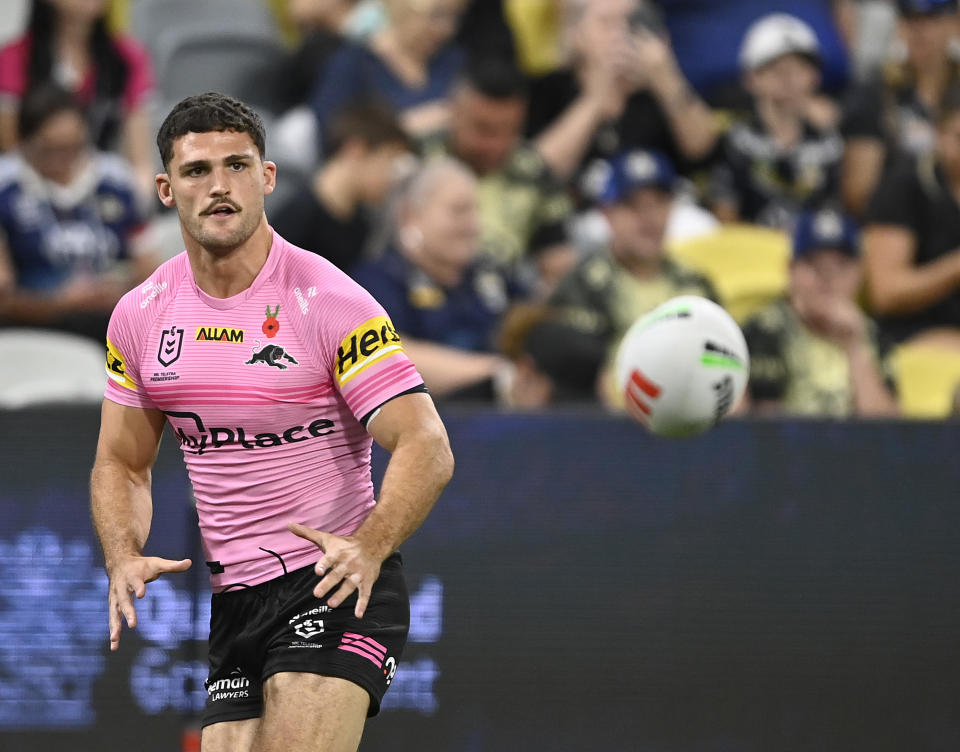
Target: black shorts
point(279, 626)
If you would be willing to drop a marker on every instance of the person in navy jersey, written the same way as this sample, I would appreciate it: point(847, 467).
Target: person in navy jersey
point(71, 240)
point(410, 65)
point(444, 297)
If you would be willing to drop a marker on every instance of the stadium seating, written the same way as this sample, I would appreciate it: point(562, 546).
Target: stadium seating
point(746, 263)
point(233, 61)
point(927, 378)
point(194, 49)
point(149, 16)
point(39, 366)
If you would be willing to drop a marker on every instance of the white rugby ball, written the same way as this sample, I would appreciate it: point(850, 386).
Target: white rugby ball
point(682, 367)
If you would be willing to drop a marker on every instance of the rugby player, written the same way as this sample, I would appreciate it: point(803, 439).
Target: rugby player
point(274, 370)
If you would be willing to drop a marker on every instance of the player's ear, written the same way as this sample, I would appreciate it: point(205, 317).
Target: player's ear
point(165, 190)
point(269, 177)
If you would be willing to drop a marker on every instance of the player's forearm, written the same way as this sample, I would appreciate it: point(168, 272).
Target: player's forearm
point(122, 508)
point(871, 397)
point(420, 467)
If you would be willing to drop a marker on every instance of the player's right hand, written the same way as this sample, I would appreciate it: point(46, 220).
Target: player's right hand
point(129, 576)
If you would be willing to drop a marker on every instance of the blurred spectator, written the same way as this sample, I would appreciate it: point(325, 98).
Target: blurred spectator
point(321, 24)
point(523, 208)
point(912, 240)
point(814, 352)
point(777, 160)
point(443, 297)
point(706, 35)
point(68, 218)
point(894, 114)
point(623, 89)
point(868, 28)
point(67, 42)
point(484, 31)
point(535, 27)
point(410, 64)
point(553, 361)
point(366, 148)
point(606, 293)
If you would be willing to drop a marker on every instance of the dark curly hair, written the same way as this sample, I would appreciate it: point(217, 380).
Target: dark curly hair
point(207, 112)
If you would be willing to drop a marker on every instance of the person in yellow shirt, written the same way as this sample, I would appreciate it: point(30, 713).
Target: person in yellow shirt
point(814, 352)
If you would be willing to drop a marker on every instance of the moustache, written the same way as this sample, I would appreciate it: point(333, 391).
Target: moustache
point(220, 204)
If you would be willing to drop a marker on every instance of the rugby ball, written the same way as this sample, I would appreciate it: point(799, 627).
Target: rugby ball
point(681, 367)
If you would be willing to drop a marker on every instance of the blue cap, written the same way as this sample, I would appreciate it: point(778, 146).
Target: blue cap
point(607, 181)
point(826, 229)
point(926, 7)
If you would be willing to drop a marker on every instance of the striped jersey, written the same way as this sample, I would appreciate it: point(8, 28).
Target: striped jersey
point(268, 393)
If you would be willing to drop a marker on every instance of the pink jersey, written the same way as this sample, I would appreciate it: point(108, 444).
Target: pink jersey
point(266, 392)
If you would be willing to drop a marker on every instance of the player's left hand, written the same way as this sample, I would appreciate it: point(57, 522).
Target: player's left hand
point(346, 563)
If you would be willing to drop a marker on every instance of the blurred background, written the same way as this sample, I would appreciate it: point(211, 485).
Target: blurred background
point(516, 181)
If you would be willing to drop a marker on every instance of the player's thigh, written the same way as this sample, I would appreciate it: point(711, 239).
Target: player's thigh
point(308, 712)
point(229, 736)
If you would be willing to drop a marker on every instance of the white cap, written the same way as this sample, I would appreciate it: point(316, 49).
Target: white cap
point(774, 36)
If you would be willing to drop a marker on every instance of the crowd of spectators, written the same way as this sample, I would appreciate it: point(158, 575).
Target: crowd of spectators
point(511, 179)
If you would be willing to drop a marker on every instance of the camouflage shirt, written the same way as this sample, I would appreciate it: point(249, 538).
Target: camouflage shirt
point(603, 297)
point(789, 364)
point(523, 207)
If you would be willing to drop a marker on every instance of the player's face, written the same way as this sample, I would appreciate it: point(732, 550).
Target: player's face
point(449, 221)
point(56, 150)
point(484, 131)
point(217, 181)
point(789, 81)
point(638, 225)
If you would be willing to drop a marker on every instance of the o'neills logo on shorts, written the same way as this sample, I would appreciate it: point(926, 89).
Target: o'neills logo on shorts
point(364, 346)
point(204, 438)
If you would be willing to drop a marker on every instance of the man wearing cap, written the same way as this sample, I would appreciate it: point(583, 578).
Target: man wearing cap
point(607, 292)
point(523, 207)
point(893, 115)
point(814, 352)
point(778, 159)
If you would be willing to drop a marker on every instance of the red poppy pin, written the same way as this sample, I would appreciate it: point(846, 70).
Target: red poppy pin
point(271, 326)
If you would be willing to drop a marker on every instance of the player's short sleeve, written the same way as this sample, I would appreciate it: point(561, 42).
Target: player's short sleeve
point(124, 382)
point(368, 364)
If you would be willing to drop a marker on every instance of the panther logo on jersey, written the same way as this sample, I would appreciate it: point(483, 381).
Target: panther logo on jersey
point(272, 355)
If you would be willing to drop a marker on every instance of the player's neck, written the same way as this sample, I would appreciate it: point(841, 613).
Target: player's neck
point(227, 272)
